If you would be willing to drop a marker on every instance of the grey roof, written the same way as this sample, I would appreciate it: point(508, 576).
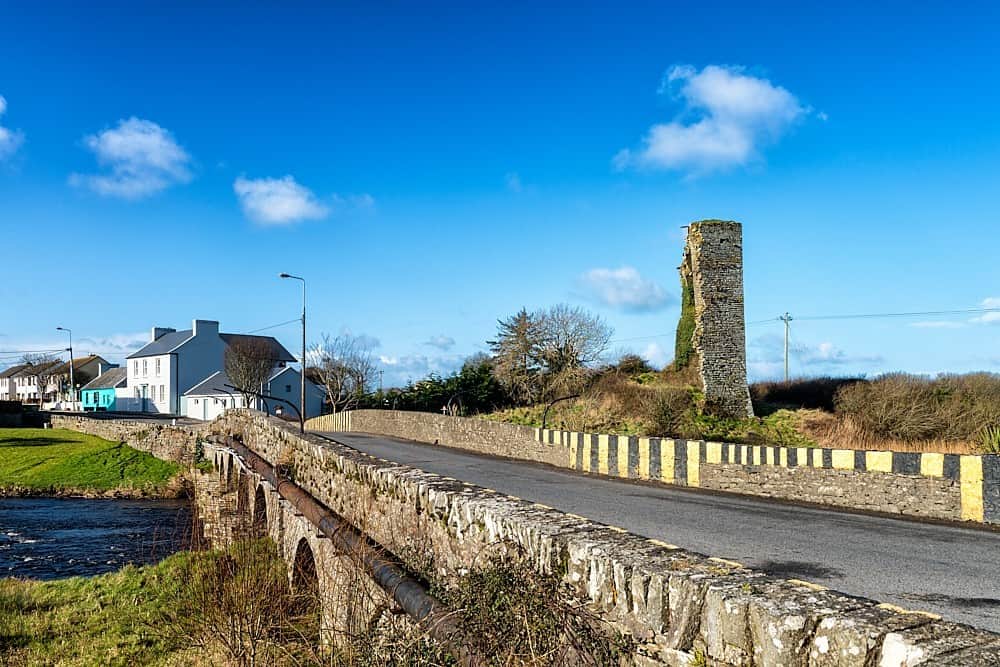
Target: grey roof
point(79, 363)
point(108, 380)
point(213, 385)
point(278, 351)
point(13, 370)
point(170, 341)
point(162, 345)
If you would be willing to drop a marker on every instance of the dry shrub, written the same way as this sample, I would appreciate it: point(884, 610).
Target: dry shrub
point(912, 408)
point(239, 601)
point(801, 393)
point(512, 615)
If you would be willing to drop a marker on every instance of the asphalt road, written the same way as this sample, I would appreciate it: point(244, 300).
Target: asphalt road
point(943, 569)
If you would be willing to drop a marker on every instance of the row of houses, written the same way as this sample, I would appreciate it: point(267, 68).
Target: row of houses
point(49, 381)
point(183, 373)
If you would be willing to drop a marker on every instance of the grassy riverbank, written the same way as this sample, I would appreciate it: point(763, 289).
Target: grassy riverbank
point(104, 620)
point(62, 462)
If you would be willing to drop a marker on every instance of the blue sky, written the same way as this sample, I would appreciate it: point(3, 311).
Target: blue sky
point(432, 168)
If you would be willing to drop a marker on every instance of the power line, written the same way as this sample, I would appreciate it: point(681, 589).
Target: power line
point(275, 326)
point(923, 313)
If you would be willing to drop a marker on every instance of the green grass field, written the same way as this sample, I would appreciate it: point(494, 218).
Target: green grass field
point(61, 460)
point(110, 619)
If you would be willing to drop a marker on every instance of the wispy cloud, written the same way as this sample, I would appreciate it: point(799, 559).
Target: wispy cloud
point(989, 318)
point(765, 358)
point(441, 342)
point(402, 369)
point(656, 355)
point(938, 324)
point(513, 181)
point(277, 201)
point(140, 157)
point(728, 116)
point(284, 201)
point(351, 203)
point(10, 140)
point(624, 288)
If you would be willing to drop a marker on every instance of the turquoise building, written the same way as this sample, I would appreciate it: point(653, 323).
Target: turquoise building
point(98, 395)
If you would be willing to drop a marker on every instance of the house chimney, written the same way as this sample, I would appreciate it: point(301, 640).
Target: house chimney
point(204, 327)
point(160, 331)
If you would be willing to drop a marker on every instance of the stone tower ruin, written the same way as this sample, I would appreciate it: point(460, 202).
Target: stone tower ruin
point(711, 334)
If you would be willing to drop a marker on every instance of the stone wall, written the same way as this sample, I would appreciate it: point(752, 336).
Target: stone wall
point(477, 435)
point(713, 267)
point(681, 608)
point(930, 485)
point(159, 438)
point(927, 485)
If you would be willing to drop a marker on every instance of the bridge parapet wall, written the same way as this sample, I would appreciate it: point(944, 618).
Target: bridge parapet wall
point(680, 607)
point(949, 487)
point(162, 440)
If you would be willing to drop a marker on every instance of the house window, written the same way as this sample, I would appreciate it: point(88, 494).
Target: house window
point(145, 367)
point(157, 366)
point(135, 367)
point(288, 388)
point(161, 386)
point(137, 395)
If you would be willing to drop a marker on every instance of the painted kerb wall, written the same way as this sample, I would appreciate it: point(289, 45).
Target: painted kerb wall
point(939, 486)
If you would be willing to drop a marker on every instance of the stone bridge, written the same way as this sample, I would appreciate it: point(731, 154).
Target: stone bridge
point(676, 607)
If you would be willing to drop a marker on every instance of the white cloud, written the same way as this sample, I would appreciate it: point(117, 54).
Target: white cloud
point(989, 318)
point(765, 358)
point(441, 342)
point(625, 289)
point(10, 140)
point(141, 159)
point(277, 201)
point(402, 369)
point(656, 355)
point(728, 117)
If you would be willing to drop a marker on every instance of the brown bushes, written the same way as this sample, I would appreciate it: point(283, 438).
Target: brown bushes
point(913, 408)
point(801, 393)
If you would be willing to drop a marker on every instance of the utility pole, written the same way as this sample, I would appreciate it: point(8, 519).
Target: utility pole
point(380, 371)
point(302, 386)
point(786, 318)
point(72, 385)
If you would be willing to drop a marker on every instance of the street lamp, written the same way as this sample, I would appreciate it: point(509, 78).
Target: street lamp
point(72, 386)
point(302, 374)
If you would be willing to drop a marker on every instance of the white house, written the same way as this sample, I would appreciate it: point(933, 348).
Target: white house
point(175, 361)
point(212, 396)
point(8, 382)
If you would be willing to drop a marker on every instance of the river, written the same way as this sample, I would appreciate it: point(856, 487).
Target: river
point(51, 538)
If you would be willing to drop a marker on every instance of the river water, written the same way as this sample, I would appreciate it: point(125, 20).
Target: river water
point(50, 538)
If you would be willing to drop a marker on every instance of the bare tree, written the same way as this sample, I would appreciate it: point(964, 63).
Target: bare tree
point(249, 363)
point(346, 367)
point(548, 352)
point(573, 339)
point(41, 366)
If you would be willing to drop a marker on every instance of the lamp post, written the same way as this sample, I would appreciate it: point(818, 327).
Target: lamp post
point(302, 374)
point(72, 384)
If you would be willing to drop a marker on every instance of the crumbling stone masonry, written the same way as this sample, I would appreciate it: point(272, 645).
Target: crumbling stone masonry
point(712, 283)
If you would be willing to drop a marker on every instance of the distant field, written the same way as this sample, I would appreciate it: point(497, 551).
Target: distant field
point(54, 460)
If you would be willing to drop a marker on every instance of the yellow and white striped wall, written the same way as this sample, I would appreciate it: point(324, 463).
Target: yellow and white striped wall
point(675, 461)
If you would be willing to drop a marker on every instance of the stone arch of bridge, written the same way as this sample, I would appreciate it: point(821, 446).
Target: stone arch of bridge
point(259, 523)
point(306, 588)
